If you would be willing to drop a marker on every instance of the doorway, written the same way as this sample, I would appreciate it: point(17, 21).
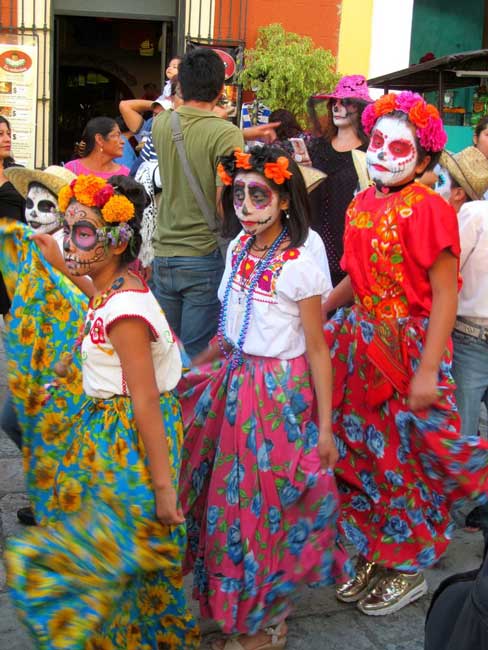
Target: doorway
point(98, 62)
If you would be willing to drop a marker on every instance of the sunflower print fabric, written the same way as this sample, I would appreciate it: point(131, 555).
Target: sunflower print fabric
point(45, 318)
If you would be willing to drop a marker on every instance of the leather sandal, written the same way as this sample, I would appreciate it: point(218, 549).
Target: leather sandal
point(277, 634)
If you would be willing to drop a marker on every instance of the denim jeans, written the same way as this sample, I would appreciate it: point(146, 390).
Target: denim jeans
point(470, 372)
point(9, 422)
point(186, 288)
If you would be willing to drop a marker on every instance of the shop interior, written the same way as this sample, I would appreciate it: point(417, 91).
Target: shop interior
point(98, 62)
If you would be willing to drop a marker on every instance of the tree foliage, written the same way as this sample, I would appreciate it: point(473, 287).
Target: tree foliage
point(284, 69)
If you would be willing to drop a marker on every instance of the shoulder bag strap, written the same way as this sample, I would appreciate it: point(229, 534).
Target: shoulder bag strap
point(195, 187)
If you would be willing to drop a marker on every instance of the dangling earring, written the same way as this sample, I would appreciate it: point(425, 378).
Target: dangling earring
point(287, 216)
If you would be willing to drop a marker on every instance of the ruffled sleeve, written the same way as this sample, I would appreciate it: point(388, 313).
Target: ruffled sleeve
point(302, 278)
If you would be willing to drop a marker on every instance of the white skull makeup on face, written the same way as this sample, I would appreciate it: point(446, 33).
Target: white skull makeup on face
point(83, 247)
point(41, 209)
point(342, 112)
point(257, 206)
point(443, 184)
point(392, 153)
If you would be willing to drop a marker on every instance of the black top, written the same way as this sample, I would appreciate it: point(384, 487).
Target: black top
point(12, 205)
point(331, 198)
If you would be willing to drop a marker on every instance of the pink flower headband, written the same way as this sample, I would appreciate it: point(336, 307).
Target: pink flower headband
point(425, 117)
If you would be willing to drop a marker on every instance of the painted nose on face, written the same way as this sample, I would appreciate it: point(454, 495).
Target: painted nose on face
point(381, 155)
point(67, 244)
point(245, 211)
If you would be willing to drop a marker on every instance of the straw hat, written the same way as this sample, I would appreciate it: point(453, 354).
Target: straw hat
point(312, 177)
point(53, 177)
point(469, 168)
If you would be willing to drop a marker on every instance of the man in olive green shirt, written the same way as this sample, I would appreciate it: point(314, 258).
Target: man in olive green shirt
point(188, 265)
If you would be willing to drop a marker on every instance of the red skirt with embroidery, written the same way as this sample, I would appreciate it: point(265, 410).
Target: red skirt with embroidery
point(400, 473)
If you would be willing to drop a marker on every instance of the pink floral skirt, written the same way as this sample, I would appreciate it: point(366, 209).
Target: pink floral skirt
point(261, 517)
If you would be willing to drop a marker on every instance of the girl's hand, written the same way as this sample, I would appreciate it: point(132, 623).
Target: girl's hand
point(50, 250)
point(423, 390)
point(167, 510)
point(327, 451)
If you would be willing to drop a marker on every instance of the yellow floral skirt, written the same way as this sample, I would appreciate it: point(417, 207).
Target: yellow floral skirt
point(104, 574)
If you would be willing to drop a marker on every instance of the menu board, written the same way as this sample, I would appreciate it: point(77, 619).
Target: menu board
point(18, 97)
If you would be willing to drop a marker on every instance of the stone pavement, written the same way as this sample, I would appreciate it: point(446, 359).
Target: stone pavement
point(319, 622)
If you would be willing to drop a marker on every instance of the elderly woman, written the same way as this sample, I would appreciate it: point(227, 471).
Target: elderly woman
point(101, 142)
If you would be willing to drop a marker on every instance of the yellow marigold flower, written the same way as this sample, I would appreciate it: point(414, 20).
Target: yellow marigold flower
point(64, 197)
point(69, 495)
point(86, 187)
point(118, 209)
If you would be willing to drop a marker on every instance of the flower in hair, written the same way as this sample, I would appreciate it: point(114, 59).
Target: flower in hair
point(95, 192)
point(118, 208)
point(64, 197)
point(424, 117)
point(242, 159)
point(103, 195)
point(224, 176)
point(86, 188)
point(278, 171)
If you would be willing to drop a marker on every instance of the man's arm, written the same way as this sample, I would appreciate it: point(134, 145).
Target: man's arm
point(131, 110)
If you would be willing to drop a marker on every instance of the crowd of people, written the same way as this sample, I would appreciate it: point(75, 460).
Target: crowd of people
point(233, 354)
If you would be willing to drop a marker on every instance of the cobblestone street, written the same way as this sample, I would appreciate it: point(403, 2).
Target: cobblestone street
point(319, 622)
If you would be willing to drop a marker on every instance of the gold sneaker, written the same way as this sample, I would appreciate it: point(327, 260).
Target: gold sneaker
point(392, 592)
point(367, 575)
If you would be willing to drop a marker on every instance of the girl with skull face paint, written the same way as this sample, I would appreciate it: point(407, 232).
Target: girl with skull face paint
point(339, 152)
point(403, 462)
point(115, 535)
point(256, 484)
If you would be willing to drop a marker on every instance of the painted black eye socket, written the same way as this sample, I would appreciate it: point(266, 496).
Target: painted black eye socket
point(46, 206)
point(29, 203)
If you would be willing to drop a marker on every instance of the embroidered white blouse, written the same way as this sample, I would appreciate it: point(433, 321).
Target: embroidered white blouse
point(102, 372)
point(275, 328)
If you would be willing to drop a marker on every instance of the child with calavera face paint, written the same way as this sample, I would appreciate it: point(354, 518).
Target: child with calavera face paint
point(257, 485)
point(112, 551)
point(403, 462)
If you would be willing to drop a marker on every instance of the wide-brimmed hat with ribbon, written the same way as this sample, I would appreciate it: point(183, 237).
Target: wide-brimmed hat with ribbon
point(53, 177)
point(352, 86)
point(469, 168)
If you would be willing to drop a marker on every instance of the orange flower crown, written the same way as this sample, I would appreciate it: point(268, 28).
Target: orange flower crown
point(264, 160)
point(95, 192)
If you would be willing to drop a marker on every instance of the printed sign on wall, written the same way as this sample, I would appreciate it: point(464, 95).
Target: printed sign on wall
point(18, 97)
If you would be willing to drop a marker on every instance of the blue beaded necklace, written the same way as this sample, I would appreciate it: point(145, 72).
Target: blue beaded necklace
point(235, 355)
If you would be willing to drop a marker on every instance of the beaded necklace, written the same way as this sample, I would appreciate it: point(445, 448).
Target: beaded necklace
point(235, 355)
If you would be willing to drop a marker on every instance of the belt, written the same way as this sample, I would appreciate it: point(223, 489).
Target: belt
point(471, 329)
